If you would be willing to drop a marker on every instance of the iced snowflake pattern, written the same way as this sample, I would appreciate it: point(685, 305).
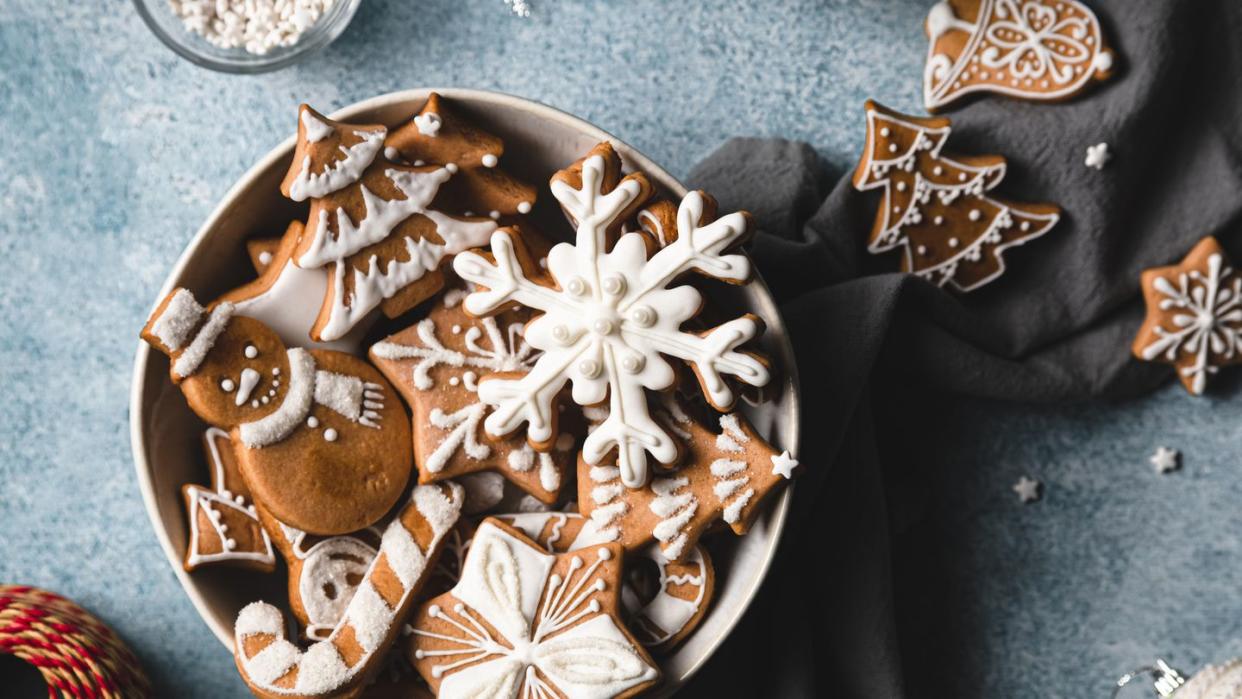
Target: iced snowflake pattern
point(610, 317)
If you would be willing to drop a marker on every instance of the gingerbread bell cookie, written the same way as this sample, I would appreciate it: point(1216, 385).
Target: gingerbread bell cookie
point(354, 651)
point(935, 207)
point(1194, 315)
point(611, 312)
point(321, 440)
point(224, 526)
point(1043, 50)
point(436, 364)
point(523, 622)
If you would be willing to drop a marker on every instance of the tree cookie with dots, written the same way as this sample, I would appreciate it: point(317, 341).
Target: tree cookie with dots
point(436, 365)
point(321, 439)
point(725, 476)
point(357, 647)
point(223, 524)
point(1043, 50)
point(611, 312)
point(524, 622)
point(1194, 315)
point(935, 209)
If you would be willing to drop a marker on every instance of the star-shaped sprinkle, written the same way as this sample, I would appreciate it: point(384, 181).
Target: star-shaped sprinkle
point(1098, 156)
point(1165, 459)
point(784, 464)
point(1027, 489)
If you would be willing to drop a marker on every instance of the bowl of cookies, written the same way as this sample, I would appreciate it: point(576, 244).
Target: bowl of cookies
point(455, 393)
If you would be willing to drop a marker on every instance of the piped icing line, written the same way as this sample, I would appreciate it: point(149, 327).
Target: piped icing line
point(275, 667)
point(191, 358)
point(341, 173)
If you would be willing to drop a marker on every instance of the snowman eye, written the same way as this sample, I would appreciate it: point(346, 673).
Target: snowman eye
point(251, 351)
point(227, 385)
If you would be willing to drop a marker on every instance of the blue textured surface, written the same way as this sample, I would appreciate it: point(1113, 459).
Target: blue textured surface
point(114, 151)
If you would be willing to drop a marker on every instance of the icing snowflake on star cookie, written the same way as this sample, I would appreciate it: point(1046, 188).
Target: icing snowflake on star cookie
point(1194, 315)
point(935, 207)
point(436, 364)
point(1043, 50)
point(522, 622)
point(610, 315)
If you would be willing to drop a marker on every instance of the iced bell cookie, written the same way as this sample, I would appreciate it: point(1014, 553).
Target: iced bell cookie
point(321, 440)
point(1041, 50)
point(223, 524)
point(1194, 315)
point(372, 224)
point(610, 316)
point(438, 135)
point(436, 365)
point(725, 476)
point(355, 650)
point(935, 209)
point(523, 622)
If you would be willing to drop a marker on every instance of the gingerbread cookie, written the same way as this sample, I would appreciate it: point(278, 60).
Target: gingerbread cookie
point(725, 477)
point(322, 442)
point(1194, 315)
point(436, 364)
point(224, 526)
point(438, 135)
point(610, 316)
point(935, 208)
point(1042, 50)
point(522, 622)
point(355, 649)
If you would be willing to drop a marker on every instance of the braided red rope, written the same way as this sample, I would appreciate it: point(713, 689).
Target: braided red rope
point(75, 652)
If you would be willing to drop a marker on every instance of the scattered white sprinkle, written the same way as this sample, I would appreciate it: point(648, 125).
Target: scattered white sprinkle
point(258, 26)
point(1027, 489)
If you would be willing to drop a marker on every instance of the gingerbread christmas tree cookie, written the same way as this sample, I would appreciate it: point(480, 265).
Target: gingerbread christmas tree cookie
point(1041, 50)
point(523, 622)
point(436, 365)
point(1194, 315)
point(935, 207)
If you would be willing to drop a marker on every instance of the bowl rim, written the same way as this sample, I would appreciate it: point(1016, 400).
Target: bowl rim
point(635, 161)
point(261, 64)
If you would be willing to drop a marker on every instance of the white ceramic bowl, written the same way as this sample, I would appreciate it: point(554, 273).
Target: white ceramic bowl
point(538, 141)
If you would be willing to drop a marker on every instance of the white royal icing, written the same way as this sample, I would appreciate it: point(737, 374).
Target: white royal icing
point(338, 174)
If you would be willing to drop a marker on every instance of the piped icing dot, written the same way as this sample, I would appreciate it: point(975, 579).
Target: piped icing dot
point(227, 385)
point(490, 160)
point(265, 258)
point(329, 435)
point(451, 167)
point(391, 153)
point(524, 207)
point(312, 422)
point(251, 351)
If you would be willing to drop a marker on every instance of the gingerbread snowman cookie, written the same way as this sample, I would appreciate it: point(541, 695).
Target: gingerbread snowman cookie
point(321, 440)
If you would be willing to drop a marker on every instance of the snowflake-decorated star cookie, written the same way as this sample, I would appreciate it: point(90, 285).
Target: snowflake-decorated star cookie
point(523, 622)
point(436, 365)
point(1032, 49)
point(610, 315)
point(1194, 315)
point(724, 476)
point(935, 208)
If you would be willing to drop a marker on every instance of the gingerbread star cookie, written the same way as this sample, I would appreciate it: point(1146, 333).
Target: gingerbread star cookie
point(1043, 50)
point(223, 524)
point(724, 476)
point(436, 365)
point(321, 440)
point(935, 208)
point(523, 622)
point(1194, 315)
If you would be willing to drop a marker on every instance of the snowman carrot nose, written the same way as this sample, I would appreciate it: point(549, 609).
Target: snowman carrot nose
point(249, 379)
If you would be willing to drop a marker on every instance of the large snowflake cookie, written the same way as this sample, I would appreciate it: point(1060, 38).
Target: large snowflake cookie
point(725, 477)
point(321, 440)
point(436, 364)
point(352, 652)
point(1194, 315)
point(935, 207)
point(1033, 49)
point(609, 315)
point(523, 622)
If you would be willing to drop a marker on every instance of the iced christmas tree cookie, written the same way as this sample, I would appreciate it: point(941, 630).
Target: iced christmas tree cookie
point(1194, 315)
point(1032, 49)
point(523, 622)
point(935, 208)
point(321, 440)
point(610, 313)
point(436, 365)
